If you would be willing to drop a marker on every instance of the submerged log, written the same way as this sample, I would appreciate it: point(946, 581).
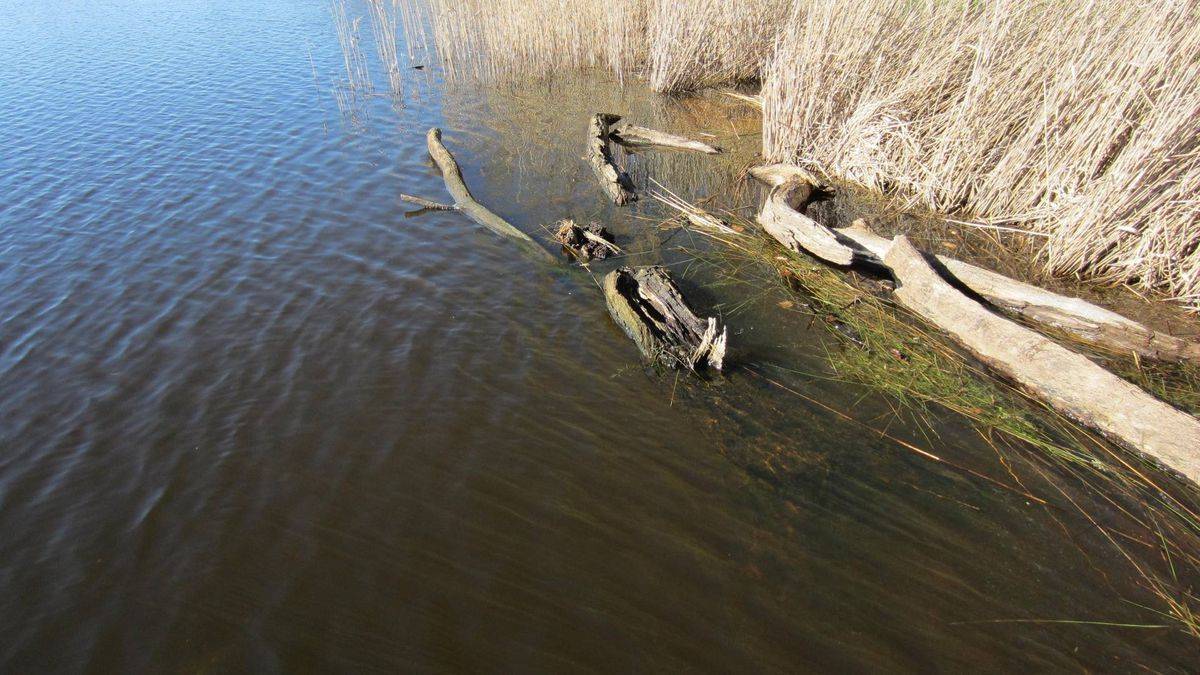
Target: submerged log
point(781, 216)
point(1073, 316)
point(616, 183)
point(466, 203)
point(586, 242)
point(426, 203)
point(1068, 382)
point(648, 306)
point(634, 136)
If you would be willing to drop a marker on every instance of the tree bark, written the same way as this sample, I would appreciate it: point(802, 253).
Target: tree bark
point(648, 306)
point(1068, 382)
point(616, 183)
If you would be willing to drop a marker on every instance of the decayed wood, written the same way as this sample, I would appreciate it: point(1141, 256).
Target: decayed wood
point(616, 183)
point(427, 204)
point(634, 136)
point(586, 242)
point(466, 203)
point(777, 174)
point(1073, 316)
point(782, 218)
point(1068, 382)
point(647, 305)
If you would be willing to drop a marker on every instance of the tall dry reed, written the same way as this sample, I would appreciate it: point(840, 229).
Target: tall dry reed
point(1078, 120)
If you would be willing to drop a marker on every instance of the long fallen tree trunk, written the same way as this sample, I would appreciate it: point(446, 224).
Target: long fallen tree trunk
point(616, 183)
point(1077, 317)
point(466, 203)
point(648, 306)
point(783, 218)
point(1068, 382)
point(634, 136)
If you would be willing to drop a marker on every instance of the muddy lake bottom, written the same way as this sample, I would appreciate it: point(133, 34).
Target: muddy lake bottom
point(256, 415)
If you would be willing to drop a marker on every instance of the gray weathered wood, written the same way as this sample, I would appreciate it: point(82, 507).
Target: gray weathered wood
point(426, 203)
point(782, 218)
point(1068, 382)
point(616, 183)
point(1073, 316)
point(634, 136)
point(648, 306)
point(466, 203)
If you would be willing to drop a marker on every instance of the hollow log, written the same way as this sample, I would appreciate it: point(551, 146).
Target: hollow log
point(586, 242)
point(1073, 316)
point(1068, 382)
point(648, 306)
point(616, 183)
point(634, 136)
point(466, 203)
point(782, 217)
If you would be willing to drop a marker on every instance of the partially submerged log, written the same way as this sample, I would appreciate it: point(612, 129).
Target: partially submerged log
point(634, 136)
point(647, 305)
point(1074, 316)
point(777, 174)
point(1068, 382)
point(616, 183)
point(466, 203)
point(586, 242)
point(426, 203)
point(782, 217)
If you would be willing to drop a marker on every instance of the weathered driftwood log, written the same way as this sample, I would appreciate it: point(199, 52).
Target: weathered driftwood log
point(466, 203)
point(781, 216)
point(616, 183)
point(634, 136)
point(1074, 316)
point(777, 174)
point(1068, 382)
point(647, 305)
point(586, 242)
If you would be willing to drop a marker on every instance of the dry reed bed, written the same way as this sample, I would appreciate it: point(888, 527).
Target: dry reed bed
point(1080, 122)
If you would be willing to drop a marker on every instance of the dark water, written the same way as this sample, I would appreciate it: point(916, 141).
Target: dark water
point(255, 418)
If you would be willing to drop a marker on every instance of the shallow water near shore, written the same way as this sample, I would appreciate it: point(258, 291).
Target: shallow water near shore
point(255, 415)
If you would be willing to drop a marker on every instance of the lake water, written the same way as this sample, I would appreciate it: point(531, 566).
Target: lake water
point(256, 416)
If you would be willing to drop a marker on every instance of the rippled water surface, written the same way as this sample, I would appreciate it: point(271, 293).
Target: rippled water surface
point(255, 416)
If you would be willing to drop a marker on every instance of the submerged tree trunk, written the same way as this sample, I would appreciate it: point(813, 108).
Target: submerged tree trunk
point(648, 306)
point(616, 183)
point(1068, 382)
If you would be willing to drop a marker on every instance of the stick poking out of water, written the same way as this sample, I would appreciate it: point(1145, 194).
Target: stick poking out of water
point(466, 203)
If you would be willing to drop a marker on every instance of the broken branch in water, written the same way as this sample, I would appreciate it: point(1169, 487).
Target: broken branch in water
point(466, 203)
point(634, 136)
point(427, 204)
point(648, 306)
point(1068, 382)
point(616, 183)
